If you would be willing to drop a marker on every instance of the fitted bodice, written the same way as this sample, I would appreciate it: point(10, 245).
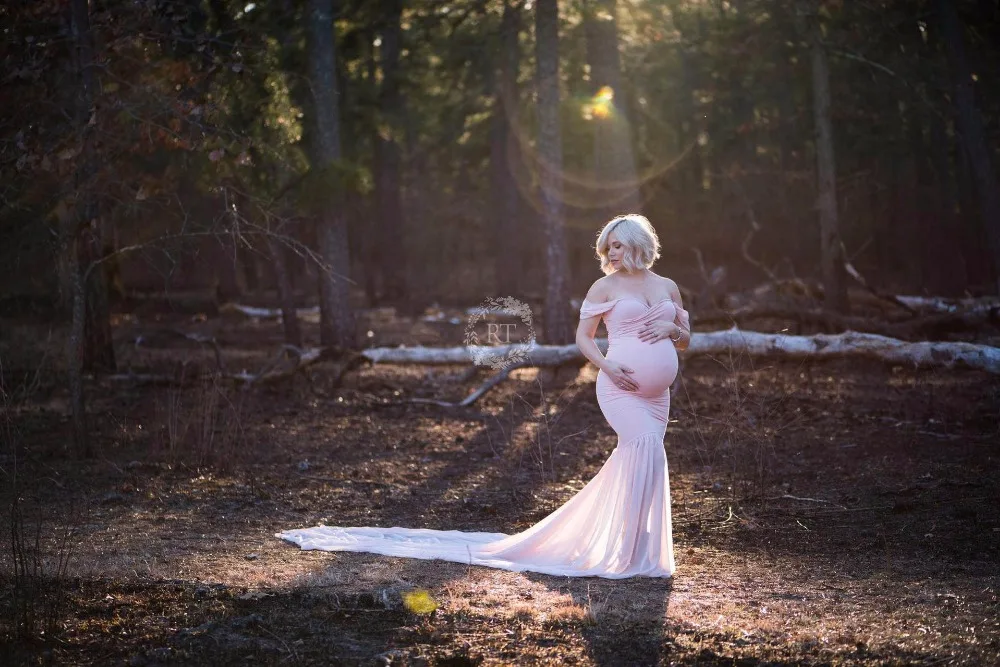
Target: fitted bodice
point(626, 316)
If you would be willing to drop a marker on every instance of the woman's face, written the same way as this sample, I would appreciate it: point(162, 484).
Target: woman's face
point(616, 251)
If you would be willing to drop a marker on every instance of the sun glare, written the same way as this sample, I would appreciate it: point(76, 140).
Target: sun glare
point(600, 105)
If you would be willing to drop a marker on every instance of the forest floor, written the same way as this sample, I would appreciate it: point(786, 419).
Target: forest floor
point(843, 512)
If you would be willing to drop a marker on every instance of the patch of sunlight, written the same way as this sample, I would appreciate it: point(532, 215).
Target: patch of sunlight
point(525, 374)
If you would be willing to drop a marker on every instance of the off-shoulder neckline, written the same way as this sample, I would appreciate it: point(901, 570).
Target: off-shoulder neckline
point(636, 299)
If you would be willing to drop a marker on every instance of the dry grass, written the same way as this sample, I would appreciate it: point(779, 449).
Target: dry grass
point(39, 541)
point(203, 426)
point(177, 555)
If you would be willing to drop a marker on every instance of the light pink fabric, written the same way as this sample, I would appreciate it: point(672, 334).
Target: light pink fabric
point(618, 525)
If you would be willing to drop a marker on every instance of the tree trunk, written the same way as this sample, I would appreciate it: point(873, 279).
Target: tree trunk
point(924, 257)
point(977, 259)
point(615, 179)
point(689, 194)
point(371, 248)
point(831, 248)
point(286, 295)
point(973, 138)
point(74, 353)
point(741, 159)
point(98, 344)
point(85, 239)
point(505, 157)
point(388, 184)
point(224, 257)
point(788, 132)
point(950, 269)
point(89, 345)
point(558, 328)
point(337, 327)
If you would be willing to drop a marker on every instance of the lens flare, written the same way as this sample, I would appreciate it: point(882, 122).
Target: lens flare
point(600, 105)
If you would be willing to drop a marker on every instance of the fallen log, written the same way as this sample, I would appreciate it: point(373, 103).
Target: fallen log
point(271, 371)
point(753, 343)
point(265, 313)
point(923, 327)
point(945, 305)
point(848, 344)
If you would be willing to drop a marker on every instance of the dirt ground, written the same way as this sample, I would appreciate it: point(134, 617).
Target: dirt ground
point(842, 512)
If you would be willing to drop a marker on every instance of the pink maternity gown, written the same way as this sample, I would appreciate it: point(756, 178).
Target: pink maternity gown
point(618, 525)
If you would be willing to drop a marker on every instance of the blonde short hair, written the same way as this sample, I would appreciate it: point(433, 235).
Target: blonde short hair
point(642, 245)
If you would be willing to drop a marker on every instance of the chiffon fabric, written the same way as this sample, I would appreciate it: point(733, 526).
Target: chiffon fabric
point(618, 525)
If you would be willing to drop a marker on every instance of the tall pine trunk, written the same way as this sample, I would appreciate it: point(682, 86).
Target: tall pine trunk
point(952, 275)
point(505, 158)
point(97, 352)
point(973, 138)
point(370, 247)
point(920, 206)
point(81, 235)
point(615, 178)
point(558, 328)
point(949, 263)
point(388, 183)
point(692, 176)
point(788, 131)
point(286, 293)
point(831, 248)
point(337, 327)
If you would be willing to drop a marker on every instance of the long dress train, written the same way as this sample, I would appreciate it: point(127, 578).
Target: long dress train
point(618, 525)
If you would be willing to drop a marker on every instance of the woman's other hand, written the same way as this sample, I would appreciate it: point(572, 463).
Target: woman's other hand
point(658, 330)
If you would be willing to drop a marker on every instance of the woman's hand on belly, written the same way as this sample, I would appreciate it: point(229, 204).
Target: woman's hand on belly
point(621, 375)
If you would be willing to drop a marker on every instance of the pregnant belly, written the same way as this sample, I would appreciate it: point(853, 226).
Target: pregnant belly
point(654, 365)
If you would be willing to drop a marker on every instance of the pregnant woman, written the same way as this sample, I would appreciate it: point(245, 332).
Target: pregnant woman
point(618, 525)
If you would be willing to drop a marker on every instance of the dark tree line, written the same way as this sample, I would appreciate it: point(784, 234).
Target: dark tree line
point(401, 152)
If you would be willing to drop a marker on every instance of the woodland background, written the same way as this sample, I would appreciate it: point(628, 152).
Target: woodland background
point(182, 138)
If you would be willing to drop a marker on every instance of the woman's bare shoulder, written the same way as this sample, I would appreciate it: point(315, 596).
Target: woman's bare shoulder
point(670, 286)
point(600, 291)
point(664, 281)
point(675, 293)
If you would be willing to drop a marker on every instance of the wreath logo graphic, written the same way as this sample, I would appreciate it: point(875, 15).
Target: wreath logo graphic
point(499, 356)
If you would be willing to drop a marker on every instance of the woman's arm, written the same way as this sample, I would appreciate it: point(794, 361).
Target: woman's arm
point(681, 319)
point(585, 333)
point(587, 329)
